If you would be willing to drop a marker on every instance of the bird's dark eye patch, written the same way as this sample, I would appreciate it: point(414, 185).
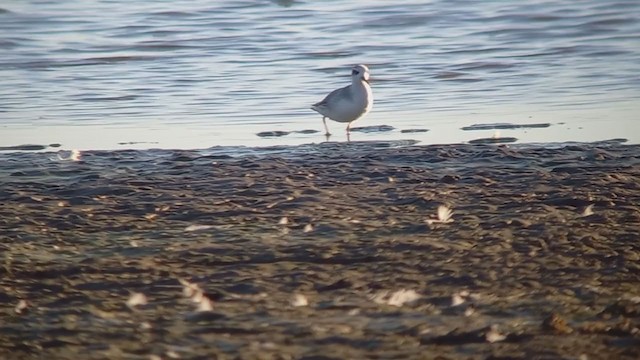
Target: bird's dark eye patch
point(354, 72)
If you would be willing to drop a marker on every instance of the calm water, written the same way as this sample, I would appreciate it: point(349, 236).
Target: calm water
point(192, 74)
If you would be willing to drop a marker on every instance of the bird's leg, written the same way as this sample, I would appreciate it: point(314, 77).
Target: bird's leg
point(324, 120)
point(348, 128)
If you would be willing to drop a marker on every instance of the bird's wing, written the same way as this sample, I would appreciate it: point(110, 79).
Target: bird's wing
point(344, 93)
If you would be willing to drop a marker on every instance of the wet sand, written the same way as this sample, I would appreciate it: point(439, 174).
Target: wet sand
point(328, 251)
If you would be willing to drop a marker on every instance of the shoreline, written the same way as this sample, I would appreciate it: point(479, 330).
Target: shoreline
point(202, 135)
point(54, 148)
point(540, 258)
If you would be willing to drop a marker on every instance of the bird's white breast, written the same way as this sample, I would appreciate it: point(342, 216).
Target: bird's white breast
point(360, 102)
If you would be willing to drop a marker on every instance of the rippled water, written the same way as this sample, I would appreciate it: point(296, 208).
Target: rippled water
point(192, 74)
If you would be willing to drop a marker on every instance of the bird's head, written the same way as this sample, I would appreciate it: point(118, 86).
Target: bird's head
point(360, 72)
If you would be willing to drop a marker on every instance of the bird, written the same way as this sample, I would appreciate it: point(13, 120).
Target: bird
point(349, 103)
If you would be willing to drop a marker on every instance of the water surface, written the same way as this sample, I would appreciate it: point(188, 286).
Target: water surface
point(194, 74)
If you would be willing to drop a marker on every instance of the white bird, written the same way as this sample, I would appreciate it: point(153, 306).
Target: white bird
point(349, 103)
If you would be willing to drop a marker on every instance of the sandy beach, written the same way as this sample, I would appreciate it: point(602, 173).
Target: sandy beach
point(324, 251)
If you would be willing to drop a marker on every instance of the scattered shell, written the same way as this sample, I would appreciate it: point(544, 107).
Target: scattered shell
point(205, 304)
point(195, 293)
point(402, 297)
point(189, 289)
point(308, 228)
point(150, 216)
point(136, 299)
point(444, 215)
point(299, 300)
point(197, 227)
point(171, 354)
point(588, 211)
point(21, 307)
point(354, 312)
point(493, 335)
point(457, 299)
point(197, 297)
point(398, 298)
point(283, 221)
point(469, 311)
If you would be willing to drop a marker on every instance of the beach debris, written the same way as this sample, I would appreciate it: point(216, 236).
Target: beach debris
point(196, 294)
point(197, 297)
point(172, 354)
point(21, 307)
point(197, 227)
point(308, 228)
point(493, 335)
point(402, 297)
point(189, 289)
point(150, 216)
point(299, 300)
point(398, 298)
point(457, 299)
point(136, 299)
point(470, 310)
point(283, 221)
point(134, 243)
point(556, 324)
point(588, 211)
point(444, 215)
point(205, 304)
